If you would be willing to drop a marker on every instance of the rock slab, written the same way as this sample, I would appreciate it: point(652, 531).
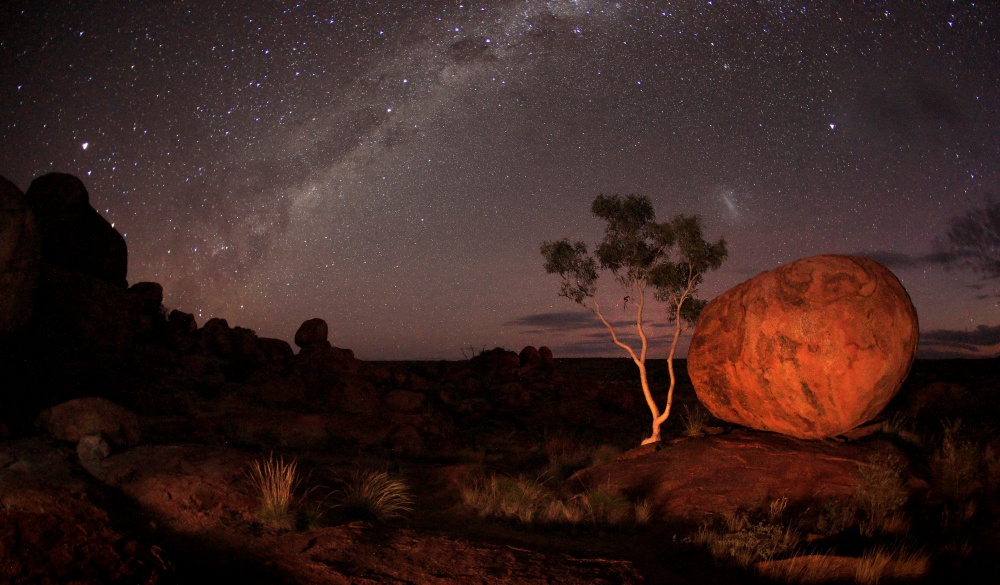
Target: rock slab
point(810, 349)
point(717, 475)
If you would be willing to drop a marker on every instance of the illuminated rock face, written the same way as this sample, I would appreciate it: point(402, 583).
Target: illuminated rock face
point(810, 349)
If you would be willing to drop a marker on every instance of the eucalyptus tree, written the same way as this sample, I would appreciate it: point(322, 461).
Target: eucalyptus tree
point(974, 240)
point(649, 261)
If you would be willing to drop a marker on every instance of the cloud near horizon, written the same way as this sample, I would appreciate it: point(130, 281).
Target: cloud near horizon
point(978, 338)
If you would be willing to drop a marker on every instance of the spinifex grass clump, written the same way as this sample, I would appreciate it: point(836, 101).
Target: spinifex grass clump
point(373, 495)
point(531, 502)
point(275, 482)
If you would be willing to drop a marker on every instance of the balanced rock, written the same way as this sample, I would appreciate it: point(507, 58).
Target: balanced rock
point(810, 349)
point(311, 332)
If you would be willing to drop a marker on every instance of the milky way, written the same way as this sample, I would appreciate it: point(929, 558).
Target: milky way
point(393, 168)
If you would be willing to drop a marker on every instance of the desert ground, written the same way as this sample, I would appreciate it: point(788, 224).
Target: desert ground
point(172, 498)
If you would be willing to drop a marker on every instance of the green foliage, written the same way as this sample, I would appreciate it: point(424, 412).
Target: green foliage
point(577, 269)
point(676, 278)
point(672, 256)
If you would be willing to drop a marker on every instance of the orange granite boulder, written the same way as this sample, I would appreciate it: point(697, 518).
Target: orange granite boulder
point(810, 349)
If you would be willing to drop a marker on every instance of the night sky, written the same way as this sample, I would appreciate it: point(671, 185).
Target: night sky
point(393, 167)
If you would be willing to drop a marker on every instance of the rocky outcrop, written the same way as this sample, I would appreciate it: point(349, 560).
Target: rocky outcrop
point(810, 349)
point(689, 479)
point(149, 296)
point(73, 234)
point(20, 253)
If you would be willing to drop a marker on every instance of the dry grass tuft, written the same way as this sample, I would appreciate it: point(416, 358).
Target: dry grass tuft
point(604, 454)
point(373, 495)
point(695, 420)
point(884, 564)
point(531, 502)
point(275, 482)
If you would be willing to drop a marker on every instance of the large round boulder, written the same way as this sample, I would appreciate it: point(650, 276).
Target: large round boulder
point(810, 349)
point(311, 332)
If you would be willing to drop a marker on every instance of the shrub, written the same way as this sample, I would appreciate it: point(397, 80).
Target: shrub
point(955, 465)
point(881, 494)
point(748, 537)
point(748, 545)
point(373, 495)
point(275, 482)
point(836, 517)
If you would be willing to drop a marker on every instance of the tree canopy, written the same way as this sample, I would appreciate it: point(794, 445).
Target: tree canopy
point(974, 240)
point(669, 258)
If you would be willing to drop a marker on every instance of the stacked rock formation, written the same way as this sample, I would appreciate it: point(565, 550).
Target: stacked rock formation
point(810, 349)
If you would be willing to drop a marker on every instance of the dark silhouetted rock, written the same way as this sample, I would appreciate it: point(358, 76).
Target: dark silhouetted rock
point(216, 337)
point(936, 402)
point(311, 332)
point(149, 296)
point(323, 370)
point(496, 361)
point(73, 234)
point(75, 419)
point(403, 400)
point(183, 323)
point(20, 254)
point(810, 349)
point(85, 327)
point(274, 350)
point(529, 356)
point(244, 341)
point(546, 355)
point(716, 475)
